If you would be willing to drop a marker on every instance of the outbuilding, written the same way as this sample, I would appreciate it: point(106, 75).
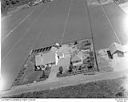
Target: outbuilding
point(116, 50)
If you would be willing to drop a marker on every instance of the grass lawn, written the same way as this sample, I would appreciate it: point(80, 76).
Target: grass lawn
point(100, 89)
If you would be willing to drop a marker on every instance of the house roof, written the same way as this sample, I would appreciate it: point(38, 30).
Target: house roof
point(43, 59)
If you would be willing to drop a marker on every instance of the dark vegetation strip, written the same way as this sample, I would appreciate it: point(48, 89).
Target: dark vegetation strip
point(7, 5)
point(100, 89)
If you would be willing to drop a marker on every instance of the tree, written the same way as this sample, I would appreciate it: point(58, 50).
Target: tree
point(60, 69)
point(80, 67)
point(70, 67)
point(75, 43)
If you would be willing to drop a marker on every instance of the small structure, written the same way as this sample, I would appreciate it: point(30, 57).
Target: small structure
point(116, 49)
point(76, 60)
point(57, 45)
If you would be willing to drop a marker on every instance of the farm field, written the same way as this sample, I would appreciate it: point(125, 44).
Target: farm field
point(58, 21)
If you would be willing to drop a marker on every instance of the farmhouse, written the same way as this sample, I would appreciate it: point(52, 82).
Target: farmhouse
point(61, 56)
point(56, 56)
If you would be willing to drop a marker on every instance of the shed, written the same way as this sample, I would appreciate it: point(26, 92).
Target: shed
point(116, 48)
